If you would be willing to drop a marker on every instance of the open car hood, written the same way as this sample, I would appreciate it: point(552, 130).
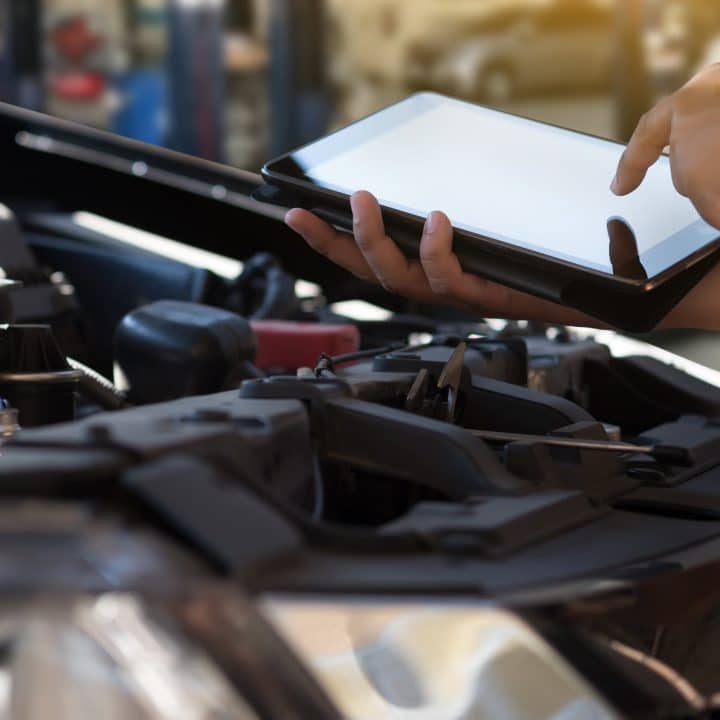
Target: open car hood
point(508, 562)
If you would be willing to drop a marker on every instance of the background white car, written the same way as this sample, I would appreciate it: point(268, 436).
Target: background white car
point(564, 46)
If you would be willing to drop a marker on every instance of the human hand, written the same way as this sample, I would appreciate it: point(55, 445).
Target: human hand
point(689, 123)
point(437, 276)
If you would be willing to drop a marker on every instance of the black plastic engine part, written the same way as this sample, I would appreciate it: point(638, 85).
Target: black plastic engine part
point(556, 366)
point(641, 392)
point(698, 437)
point(265, 442)
point(368, 436)
point(41, 295)
point(136, 277)
point(358, 422)
point(35, 377)
point(111, 279)
point(692, 492)
point(493, 387)
point(170, 349)
point(495, 525)
point(237, 529)
point(602, 476)
point(504, 360)
point(264, 291)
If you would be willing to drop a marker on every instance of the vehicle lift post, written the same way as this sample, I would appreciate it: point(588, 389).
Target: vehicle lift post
point(21, 53)
point(298, 90)
point(196, 78)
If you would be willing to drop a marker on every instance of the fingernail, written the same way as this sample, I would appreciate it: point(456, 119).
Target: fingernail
point(431, 223)
point(615, 185)
point(291, 220)
point(355, 202)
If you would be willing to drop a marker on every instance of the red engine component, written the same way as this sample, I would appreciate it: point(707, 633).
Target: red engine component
point(293, 345)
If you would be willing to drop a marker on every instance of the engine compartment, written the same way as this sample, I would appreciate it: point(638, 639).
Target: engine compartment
point(417, 459)
point(227, 416)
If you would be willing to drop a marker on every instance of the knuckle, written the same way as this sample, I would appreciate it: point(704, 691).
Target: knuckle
point(431, 255)
point(644, 122)
point(357, 227)
point(712, 216)
point(692, 98)
point(441, 287)
point(318, 246)
point(363, 239)
point(391, 285)
point(679, 184)
point(696, 188)
point(363, 242)
point(679, 176)
point(363, 275)
point(709, 208)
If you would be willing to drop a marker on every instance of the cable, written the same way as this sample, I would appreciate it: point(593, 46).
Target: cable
point(98, 388)
point(327, 363)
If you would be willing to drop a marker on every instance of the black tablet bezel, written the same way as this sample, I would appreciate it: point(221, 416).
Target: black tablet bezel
point(285, 172)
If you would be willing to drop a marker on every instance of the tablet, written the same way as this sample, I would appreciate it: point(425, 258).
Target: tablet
point(513, 188)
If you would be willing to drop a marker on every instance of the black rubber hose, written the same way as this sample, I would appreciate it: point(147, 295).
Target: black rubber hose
point(99, 389)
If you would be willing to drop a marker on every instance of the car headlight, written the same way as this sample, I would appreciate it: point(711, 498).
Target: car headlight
point(447, 662)
point(106, 657)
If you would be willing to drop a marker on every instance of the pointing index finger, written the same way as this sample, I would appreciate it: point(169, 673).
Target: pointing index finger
point(645, 147)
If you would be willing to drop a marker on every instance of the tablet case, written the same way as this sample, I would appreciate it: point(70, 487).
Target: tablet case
point(632, 309)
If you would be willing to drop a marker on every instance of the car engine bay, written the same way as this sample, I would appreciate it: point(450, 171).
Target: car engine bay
point(170, 423)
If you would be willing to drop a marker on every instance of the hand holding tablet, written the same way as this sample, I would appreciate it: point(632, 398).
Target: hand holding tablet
point(627, 262)
point(439, 278)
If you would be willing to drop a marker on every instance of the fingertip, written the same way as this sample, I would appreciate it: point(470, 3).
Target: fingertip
point(437, 241)
point(443, 220)
point(362, 200)
point(621, 183)
point(435, 222)
point(293, 219)
point(431, 223)
point(621, 186)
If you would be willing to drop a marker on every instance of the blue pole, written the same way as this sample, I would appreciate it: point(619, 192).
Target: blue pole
point(300, 108)
point(196, 78)
point(21, 53)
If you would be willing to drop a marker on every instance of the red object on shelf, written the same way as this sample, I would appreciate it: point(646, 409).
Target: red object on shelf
point(81, 86)
point(294, 345)
point(74, 39)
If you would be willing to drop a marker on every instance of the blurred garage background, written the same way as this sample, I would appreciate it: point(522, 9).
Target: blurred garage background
point(239, 81)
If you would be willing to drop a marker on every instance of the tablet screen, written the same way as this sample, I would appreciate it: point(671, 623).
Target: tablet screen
point(512, 180)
